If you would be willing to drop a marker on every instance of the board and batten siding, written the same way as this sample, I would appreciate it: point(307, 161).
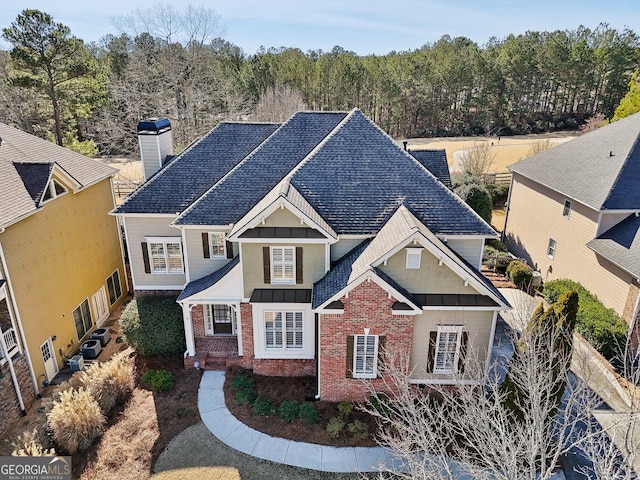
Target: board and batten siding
point(535, 216)
point(478, 325)
point(468, 248)
point(137, 230)
point(199, 265)
point(429, 278)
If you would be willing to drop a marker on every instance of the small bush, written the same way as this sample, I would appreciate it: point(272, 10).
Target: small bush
point(154, 326)
point(75, 420)
point(358, 429)
point(33, 449)
point(498, 192)
point(478, 199)
point(264, 407)
point(159, 380)
point(381, 403)
point(335, 426)
point(240, 381)
point(599, 325)
point(345, 408)
point(496, 245)
point(110, 383)
point(308, 414)
point(520, 273)
point(246, 396)
point(289, 410)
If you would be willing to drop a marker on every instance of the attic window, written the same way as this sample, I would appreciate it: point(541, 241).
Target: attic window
point(413, 258)
point(54, 189)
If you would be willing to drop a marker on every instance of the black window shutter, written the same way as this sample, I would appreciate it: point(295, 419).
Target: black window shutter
point(229, 250)
point(145, 258)
point(205, 245)
point(299, 278)
point(382, 343)
point(464, 342)
point(349, 369)
point(266, 260)
point(431, 357)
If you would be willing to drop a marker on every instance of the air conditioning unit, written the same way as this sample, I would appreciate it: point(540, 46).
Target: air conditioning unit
point(91, 348)
point(76, 363)
point(101, 334)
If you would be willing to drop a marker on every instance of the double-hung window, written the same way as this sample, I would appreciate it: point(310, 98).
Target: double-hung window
point(551, 248)
point(283, 264)
point(165, 255)
point(82, 319)
point(447, 348)
point(217, 245)
point(365, 356)
point(566, 210)
point(283, 330)
point(114, 288)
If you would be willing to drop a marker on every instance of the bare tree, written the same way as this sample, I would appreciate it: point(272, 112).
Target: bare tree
point(593, 123)
point(539, 146)
point(277, 104)
point(478, 159)
point(449, 432)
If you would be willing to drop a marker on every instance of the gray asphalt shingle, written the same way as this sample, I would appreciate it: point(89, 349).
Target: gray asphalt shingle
point(436, 162)
point(621, 245)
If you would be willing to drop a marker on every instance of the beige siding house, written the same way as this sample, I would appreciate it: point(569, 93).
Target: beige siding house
point(573, 213)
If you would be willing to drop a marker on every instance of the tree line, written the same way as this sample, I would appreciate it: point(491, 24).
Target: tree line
point(174, 63)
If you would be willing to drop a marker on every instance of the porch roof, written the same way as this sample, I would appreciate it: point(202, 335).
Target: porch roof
point(205, 282)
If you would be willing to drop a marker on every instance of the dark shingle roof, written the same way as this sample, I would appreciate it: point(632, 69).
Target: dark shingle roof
point(205, 282)
point(360, 176)
point(234, 195)
point(199, 167)
point(621, 245)
point(35, 177)
point(436, 162)
point(21, 148)
point(600, 169)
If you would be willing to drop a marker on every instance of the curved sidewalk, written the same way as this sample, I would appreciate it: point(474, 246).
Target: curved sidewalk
point(228, 429)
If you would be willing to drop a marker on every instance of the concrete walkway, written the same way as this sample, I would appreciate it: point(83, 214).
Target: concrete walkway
point(231, 431)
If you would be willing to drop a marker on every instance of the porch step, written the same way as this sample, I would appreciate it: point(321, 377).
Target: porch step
point(218, 361)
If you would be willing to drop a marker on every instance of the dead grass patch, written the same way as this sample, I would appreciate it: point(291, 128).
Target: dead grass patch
point(201, 473)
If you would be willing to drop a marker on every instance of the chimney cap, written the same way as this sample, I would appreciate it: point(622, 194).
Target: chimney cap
point(153, 126)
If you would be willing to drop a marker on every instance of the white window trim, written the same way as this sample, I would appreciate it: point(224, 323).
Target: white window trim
point(283, 331)
point(566, 209)
point(411, 255)
point(165, 241)
point(51, 190)
point(447, 329)
point(308, 332)
point(366, 336)
point(83, 324)
point(283, 281)
point(551, 251)
point(214, 245)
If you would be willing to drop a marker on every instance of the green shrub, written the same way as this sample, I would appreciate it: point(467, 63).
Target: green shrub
point(602, 327)
point(345, 408)
point(496, 245)
point(308, 414)
point(240, 381)
point(154, 326)
point(520, 273)
point(289, 410)
point(381, 403)
point(75, 420)
point(335, 426)
point(264, 407)
point(498, 192)
point(246, 396)
point(477, 197)
point(159, 380)
point(358, 429)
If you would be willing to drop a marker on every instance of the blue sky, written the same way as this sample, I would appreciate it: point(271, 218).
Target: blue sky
point(362, 26)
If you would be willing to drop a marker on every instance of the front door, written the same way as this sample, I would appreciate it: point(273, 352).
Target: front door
point(100, 309)
point(50, 365)
point(219, 319)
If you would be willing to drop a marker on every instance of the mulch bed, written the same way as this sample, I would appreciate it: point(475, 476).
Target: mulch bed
point(300, 389)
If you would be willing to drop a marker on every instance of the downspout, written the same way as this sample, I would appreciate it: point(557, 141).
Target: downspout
point(317, 396)
point(3, 261)
point(16, 385)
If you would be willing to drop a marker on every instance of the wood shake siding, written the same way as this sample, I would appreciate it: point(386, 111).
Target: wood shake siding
point(535, 216)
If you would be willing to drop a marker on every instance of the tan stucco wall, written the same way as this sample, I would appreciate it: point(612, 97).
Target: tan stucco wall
point(535, 215)
point(57, 258)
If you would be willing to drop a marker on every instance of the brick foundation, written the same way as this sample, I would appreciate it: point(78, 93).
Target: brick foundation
point(157, 293)
point(368, 306)
point(284, 367)
point(10, 411)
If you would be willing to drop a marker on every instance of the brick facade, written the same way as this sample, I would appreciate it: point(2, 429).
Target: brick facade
point(284, 367)
point(367, 306)
point(197, 320)
point(9, 406)
point(246, 319)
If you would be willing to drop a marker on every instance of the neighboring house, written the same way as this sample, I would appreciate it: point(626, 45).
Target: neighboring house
point(573, 213)
point(61, 268)
point(309, 248)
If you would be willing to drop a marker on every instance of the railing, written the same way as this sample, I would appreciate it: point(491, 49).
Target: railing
point(11, 342)
point(124, 188)
point(497, 177)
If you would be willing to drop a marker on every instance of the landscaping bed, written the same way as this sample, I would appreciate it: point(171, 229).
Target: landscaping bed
point(301, 390)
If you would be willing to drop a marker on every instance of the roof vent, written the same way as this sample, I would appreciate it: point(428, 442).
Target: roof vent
point(611, 154)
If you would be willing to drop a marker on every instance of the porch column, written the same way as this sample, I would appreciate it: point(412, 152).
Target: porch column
point(188, 329)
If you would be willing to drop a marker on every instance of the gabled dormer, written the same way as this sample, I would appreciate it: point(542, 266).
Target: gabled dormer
point(45, 181)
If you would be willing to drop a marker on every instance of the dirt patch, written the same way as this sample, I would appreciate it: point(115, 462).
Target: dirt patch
point(299, 389)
